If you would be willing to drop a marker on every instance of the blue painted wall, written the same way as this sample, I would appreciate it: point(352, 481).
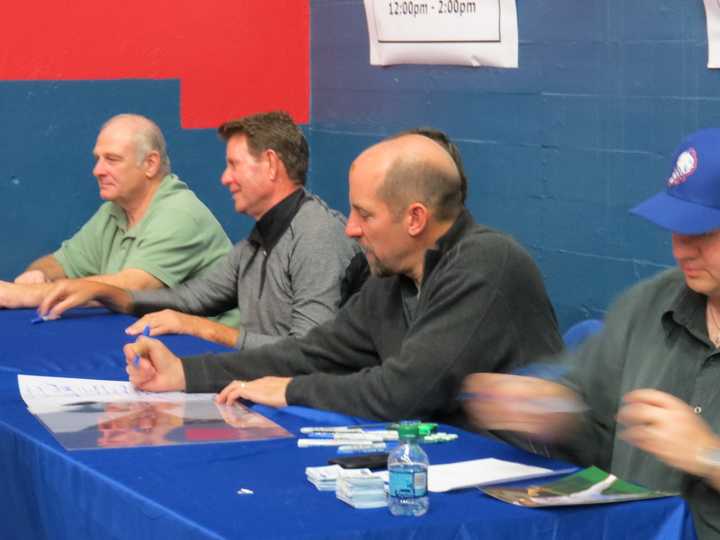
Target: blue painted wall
point(557, 150)
point(47, 133)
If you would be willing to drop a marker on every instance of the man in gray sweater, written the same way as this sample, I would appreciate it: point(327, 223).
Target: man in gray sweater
point(447, 297)
point(272, 276)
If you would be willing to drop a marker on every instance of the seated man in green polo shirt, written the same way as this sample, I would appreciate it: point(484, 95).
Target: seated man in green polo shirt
point(151, 232)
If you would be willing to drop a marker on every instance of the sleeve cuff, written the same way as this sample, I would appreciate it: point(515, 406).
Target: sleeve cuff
point(197, 378)
point(253, 340)
point(60, 258)
point(242, 335)
point(294, 391)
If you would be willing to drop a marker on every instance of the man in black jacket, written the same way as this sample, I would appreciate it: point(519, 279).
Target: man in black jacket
point(447, 297)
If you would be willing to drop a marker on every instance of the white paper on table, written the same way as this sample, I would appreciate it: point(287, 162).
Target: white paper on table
point(51, 394)
point(478, 473)
point(712, 15)
point(457, 32)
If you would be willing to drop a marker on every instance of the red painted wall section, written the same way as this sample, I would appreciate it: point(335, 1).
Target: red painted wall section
point(233, 57)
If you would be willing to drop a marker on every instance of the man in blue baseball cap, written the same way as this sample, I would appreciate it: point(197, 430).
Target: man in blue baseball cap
point(690, 202)
point(641, 398)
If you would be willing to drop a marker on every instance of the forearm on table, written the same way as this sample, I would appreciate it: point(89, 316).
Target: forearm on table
point(365, 393)
point(191, 297)
point(215, 332)
point(211, 372)
point(130, 278)
point(17, 295)
point(114, 298)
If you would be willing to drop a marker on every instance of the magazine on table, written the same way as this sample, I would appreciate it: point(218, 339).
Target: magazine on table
point(588, 486)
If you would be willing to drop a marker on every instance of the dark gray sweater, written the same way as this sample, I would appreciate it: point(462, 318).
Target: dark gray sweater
point(482, 307)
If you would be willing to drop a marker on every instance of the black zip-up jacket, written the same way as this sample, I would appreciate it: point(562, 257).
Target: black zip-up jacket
point(391, 354)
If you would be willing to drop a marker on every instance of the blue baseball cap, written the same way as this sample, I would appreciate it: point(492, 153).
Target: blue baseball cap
point(690, 203)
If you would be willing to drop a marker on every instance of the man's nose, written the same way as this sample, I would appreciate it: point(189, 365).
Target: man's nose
point(225, 178)
point(352, 229)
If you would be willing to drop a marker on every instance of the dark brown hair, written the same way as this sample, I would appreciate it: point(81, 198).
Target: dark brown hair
point(273, 131)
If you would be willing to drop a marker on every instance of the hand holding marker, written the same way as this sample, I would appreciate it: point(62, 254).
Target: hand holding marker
point(136, 360)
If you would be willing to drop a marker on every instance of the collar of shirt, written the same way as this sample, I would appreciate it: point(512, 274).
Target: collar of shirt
point(687, 309)
point(270, 228)
point(447, 241)
point(169, 184)
point(410, 296)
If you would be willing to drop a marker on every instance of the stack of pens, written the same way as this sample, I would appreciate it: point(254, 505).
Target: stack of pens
point(364, 439)
point(349, 440)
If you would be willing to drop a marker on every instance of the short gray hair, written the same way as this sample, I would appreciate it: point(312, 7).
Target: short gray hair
point(148, 138)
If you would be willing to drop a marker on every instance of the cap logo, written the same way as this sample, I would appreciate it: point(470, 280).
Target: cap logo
point(685, 165)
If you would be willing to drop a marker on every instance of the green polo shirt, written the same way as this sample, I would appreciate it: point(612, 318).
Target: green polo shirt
point(655, 336)
point(177, 239)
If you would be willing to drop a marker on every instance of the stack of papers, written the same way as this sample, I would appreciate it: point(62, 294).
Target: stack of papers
point(361, 489)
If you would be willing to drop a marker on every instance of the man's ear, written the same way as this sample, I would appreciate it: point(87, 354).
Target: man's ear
point(417, 216)
point(152, 164)
point(274, 163)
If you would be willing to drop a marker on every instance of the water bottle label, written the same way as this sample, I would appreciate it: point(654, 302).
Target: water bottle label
point(420, 484)
point(407, 484)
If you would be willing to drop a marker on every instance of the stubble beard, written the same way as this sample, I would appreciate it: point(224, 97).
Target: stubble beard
point(377, 267)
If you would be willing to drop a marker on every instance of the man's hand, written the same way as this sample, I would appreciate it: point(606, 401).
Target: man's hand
point(169, 321)
point(19, 295)
point(666, 427)
point(70, 293)
point(240, 417)
point(31, 277)
point(266, 391)
point(159, 370)
point(536, 407)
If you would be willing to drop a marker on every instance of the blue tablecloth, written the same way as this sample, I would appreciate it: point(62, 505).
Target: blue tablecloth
point(191, 491)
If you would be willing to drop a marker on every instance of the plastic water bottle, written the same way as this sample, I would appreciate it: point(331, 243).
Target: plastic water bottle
point(407, 472)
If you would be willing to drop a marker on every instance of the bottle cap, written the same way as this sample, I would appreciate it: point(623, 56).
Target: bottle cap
point(426, 428)
point(407, 430)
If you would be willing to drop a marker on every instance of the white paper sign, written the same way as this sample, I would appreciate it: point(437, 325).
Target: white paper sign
point(47, 394)
point(461, 32)
point(712, 14)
